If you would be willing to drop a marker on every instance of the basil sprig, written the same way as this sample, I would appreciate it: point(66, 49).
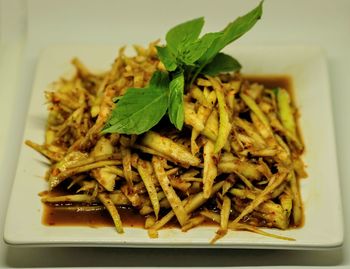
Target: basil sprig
point(185, 56)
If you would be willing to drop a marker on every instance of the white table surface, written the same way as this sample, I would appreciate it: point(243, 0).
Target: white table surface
point(26, 27)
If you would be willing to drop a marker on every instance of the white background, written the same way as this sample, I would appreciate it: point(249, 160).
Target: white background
point(26, 27)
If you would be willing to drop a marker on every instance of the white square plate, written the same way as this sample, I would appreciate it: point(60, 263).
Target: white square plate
point(323, 226)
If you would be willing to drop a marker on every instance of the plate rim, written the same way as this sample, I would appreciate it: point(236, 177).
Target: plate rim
point(10, 238)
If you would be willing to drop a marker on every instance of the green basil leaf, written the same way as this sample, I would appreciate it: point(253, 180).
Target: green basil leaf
point(185, 56)
point(176, 106)
point(193, 51)
point(221, 63)
point(140, 109)
point(160, 80)
point(166, 58)
point(234, 31)
point(184, 33)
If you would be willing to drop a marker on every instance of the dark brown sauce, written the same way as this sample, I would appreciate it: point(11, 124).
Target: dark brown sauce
point(272, 81)
point(60, 216)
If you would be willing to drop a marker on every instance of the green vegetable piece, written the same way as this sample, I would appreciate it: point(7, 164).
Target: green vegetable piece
point(140, 109)
point(275, 91)
point(176, 106)
point(193, 51)
point(234, 31)
point(167, 58)
point(184, 33)
point(286, 114)
point(285, 111)
point(221, 63)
